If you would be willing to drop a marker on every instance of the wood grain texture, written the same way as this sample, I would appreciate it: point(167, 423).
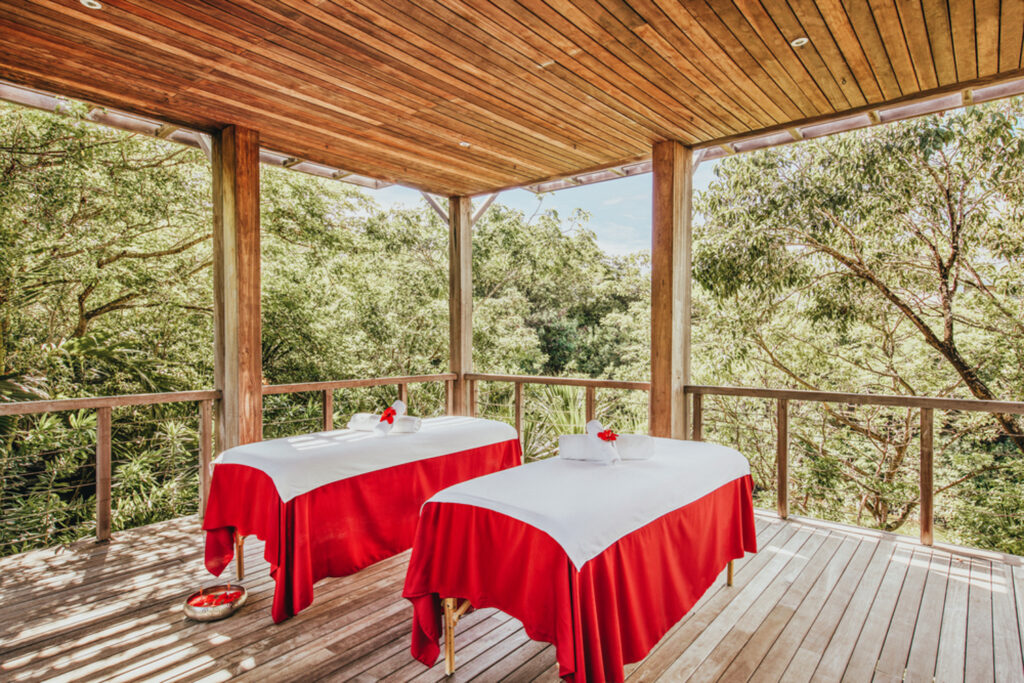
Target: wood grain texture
point(390, 88)
point(671, 254)
point(238, 355)
point(460, 300)
point(813, 597)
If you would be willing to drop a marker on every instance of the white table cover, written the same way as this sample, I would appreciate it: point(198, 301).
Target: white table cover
point(299, 464)
point(586, 507)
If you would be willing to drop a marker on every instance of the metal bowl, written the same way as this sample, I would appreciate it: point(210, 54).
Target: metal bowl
point(215, 612)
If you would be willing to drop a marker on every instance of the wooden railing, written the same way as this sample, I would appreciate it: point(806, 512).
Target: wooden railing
point(104, 405)
point(927, 406)
point(590, 387)
point(327, 389)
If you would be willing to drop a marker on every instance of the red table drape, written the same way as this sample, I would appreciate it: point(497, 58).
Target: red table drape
point(600, 618)
point(336, 529)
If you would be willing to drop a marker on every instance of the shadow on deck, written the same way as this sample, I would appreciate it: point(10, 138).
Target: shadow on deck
point(819, 602)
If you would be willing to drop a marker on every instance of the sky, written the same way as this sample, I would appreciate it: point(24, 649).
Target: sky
point(620, 209)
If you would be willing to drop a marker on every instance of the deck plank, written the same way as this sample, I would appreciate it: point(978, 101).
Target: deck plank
point(818, 598)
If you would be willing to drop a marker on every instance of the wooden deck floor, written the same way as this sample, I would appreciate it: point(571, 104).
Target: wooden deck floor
point(819, 602)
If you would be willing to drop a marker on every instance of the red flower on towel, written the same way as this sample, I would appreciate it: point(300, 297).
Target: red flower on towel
point(388, 416)
point(607, 435)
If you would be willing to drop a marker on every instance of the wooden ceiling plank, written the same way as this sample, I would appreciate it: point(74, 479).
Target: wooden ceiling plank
point(850, 44)
point(482, 29)
point(99, 38)
point(986, 21)
point(569, 56)
point(616, 102)
point(677, 42)
point(961, 19)
point(821, 57)
point(684, 124)
point(805, 94)
point(437, 82)
point(1011, 32)
point(915, 32)
point(863, 22)
point(887, 21)
point(475, 48)
point(762, 88)
point(623, 22)
point(470, 86)
point(940, 36)
point(602, 31)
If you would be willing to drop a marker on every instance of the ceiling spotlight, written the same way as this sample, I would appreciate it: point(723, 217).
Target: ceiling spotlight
point(91, 4)
point(796, 42)
point(463, 143)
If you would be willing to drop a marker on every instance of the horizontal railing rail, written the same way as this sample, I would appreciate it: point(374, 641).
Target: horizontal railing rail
point(926, 404)
point(327, 389)
point(519, 381)
point(104, 405)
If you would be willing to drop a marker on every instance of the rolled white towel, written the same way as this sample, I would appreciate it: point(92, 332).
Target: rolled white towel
point(635, 446)
point(363, 422)
point(406, 424)
point(588, 448)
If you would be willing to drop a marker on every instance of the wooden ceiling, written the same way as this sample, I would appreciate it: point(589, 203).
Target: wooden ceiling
point(395, 89)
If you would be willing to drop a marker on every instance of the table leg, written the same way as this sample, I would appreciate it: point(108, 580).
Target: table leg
point(449, 636)
point(728, 578)
point(239, 555)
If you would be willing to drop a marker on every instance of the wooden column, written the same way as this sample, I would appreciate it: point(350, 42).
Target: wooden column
point(670, 288)
point(927, 476)
point(236, 281)
point(103, 469)
point(460, 300)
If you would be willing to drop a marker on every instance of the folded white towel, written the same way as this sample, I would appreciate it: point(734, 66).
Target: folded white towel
point(635, 446)
point(363, 422)
point(587, 447)
point(406, 424)
point(370, 422)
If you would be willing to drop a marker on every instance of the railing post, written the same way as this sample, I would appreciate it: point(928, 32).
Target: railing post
point(927, 516)
point(102, 475)
point(472, 398)
point(328, 409)
point(782, 459)
point(449, 397)
point(205, 452)
point(518, 400)
point(698, 417)
point(403, 393)
point(591, 403)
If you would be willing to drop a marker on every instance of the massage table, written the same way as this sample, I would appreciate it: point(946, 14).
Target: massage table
point(600, 560)
point(332, 503)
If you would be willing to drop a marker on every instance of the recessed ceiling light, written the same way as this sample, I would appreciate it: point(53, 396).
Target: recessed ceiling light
point(796, 42)
point(91, 4)
point(463, 143)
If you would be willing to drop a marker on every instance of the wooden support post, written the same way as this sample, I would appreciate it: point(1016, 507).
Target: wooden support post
point(449, 397)
point(473, 397)
point(403, 393)
point(102, 475)
point(517, 398)
point(460, 299)
point(927, 517)
point(205, 452)
point(236, 281)
point(698, 417)
point(327, 403)
point(670, 288)
point(591, 409)
point(782, 459)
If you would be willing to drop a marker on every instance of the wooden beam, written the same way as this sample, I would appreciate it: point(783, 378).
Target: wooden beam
point(670, 288)
point(165, 130)
point(236, 281)
point(478, 214)
point(442, 214)
point(460, 300)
